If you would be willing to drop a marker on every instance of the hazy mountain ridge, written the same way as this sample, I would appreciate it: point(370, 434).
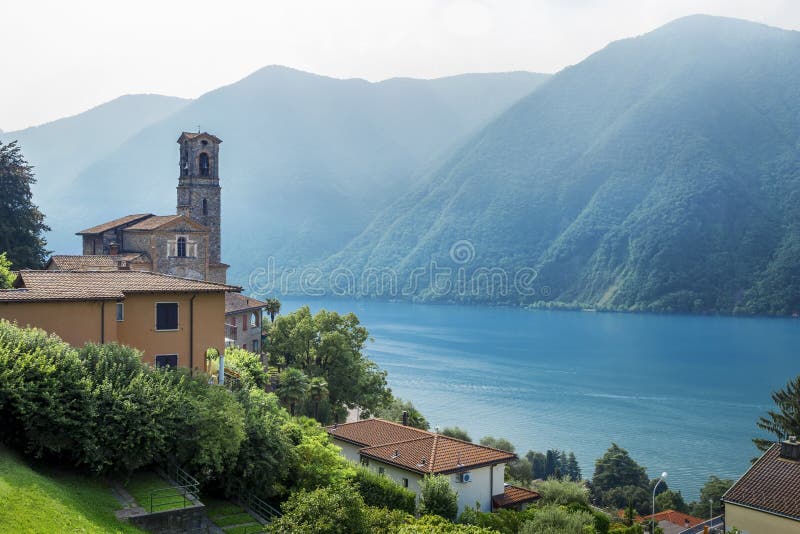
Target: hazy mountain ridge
point(654, 175)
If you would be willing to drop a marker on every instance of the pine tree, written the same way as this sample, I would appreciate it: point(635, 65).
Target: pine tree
point(785, 421)
point(573, 469)
point(21, 222)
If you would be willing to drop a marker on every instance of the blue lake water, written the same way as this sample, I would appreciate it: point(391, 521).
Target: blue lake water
point(681, 393)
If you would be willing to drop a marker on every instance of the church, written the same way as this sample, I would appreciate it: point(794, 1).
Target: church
point(185, 245)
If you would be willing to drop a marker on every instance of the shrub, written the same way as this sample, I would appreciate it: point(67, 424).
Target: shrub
point(249, 367)
point(558, 520)
point(331, 510)
point(383, 492)
point(318, 462)
point(504, 521)
point(437, 497)
point(385, 521)
point(434, 524)
point(554, 491)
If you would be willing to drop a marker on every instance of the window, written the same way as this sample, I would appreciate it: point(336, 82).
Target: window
point(255, 346)
point(205, 207)
point(166, 316)
point(167, 360)
point(405, 482)
point(204, 166)
point(120, 311)
point(244, 322)
point(244, 346)
point(253, 320)
point(380, 470)
point(364, 461)
point(181, 247)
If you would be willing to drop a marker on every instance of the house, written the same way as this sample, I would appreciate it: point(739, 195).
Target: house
point(673, 522)
point(766, 499)
point(173, 321)
point(406, 454)
point(243, 316)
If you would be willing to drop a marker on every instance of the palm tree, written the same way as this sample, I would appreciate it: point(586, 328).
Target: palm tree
point(318, 389)
point(273, 308)
point(292, 387)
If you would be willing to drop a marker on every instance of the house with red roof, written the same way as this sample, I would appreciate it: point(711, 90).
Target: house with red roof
point(674, 522)
point(407, 454)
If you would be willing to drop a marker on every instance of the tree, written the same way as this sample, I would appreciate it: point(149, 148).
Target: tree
point(671, 500)
point(272, 308)
point(329, 510)
point(497, 443)
point(538, 461)
point(554, 519)
point(292, 387)
point(616, 469)
point(457, 433)
point(6, 276)
point(562, 492)
point(394, 412)
point(318, 389)
point(521, 470)
point(248, 365)
point(437, 497)
point(784, 421)
point(712, 490)
point(21, 222)
point(573, 470)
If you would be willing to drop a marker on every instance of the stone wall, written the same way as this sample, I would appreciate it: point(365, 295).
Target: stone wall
point(192, 520)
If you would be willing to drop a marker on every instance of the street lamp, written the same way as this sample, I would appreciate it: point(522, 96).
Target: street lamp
point(653, 517)
point(710, 510)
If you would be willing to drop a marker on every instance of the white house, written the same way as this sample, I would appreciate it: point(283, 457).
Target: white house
point(406, 454)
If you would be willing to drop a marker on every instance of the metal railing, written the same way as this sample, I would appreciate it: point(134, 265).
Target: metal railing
point(262, 509)
point(166, 499)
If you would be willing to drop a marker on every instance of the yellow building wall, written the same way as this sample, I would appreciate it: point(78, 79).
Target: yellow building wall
point(80, 322)
point(752, 521)
point(76, 323)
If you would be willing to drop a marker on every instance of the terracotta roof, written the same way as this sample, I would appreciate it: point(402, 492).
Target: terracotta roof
point(93, 262)
point(417, 450)
point(100, 285)
point(514, 495)
point(771, 485)
point(236, 302)
point(153, 222)
point(675, 517)
point(110, 225)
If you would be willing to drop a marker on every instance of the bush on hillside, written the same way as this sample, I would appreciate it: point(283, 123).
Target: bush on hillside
point(329, 510)
point(553, 519)
point(383, 492)
point(437, 497)
point(554, 491)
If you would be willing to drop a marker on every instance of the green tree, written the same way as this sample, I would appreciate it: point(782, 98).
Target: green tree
point(329, 510)
point(382, 492)
point(21, 223)
point(616, 469)
point(497, 443)
point(711, 496)
point(272, 308)
point(521, 470)
point(393, 411)
point(248, 365)
point(456, 432)
point(538, 462)
point(671, 500)
point(572, 469)
point(784, 420)
point(318, 390)
point(562, 492)
point(6, 276)
point(317, 461)
point(553, 519)
point(292, 387)
point(437, 497)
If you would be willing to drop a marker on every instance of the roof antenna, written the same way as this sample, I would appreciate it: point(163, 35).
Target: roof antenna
point(198, 128)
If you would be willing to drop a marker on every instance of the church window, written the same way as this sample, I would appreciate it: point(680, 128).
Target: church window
point(205, 206)
point(204, 164)
point(181, 247)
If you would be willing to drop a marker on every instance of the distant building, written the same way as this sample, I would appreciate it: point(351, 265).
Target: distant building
point(406, 454)
point(243, 316)
point(673, 522)
point(766, 499)
point(173, 321)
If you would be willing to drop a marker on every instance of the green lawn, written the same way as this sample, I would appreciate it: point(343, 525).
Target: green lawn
point(225, 514)
point(166, 497)
point(36, 501)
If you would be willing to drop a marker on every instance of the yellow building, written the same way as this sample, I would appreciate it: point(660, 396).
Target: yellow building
point(766, 500)
point(173, 321)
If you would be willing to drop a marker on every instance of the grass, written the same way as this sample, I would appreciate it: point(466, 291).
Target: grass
point(47, 500)
point(142, 484)
point(225, 514)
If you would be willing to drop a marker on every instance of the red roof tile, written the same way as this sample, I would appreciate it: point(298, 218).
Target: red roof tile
point(151, 223)
point(110, 225)
point(94, 262)
point(417, 450)
point(514, 495)
point(675, 517)
point(772, 485)
point(236, 302)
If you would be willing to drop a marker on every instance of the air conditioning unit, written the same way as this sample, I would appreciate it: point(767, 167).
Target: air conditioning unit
point(465, 477)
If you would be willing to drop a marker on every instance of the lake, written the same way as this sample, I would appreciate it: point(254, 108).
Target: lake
point(682, 394)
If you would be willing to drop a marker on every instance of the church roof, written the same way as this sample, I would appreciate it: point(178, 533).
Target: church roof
point(157, 221)
point(61, 262)
point(110, 225)
point(194, 135)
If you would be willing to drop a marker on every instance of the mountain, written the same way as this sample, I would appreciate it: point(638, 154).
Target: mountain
point(307, 160)
point(61, 149)
point(662, 173)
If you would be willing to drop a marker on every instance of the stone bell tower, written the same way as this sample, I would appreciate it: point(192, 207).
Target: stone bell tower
point(199, 192)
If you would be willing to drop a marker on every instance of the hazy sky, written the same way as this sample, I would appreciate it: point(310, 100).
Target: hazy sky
point(58, 58)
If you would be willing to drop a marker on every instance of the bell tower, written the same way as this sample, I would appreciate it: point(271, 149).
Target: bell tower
point(199, 192)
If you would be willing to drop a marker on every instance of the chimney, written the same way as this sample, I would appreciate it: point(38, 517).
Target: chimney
point(405, 418)
point(790, 449)
point(113, 248)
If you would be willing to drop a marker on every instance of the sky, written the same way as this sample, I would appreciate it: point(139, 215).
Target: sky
point(59, 58)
